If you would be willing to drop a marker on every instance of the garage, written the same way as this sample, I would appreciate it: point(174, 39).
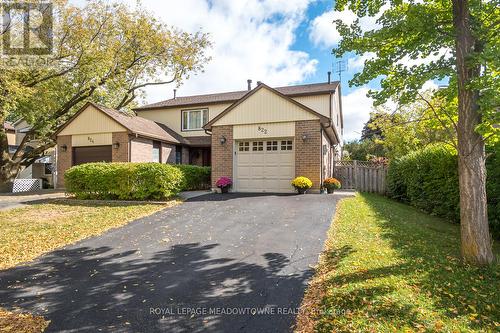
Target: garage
point(264, 165)
point(90, 154)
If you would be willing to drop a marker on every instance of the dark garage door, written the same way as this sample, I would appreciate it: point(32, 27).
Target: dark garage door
point(91, 154)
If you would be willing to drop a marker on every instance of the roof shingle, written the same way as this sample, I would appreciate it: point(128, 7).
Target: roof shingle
point(143, 126)
point(290, 91)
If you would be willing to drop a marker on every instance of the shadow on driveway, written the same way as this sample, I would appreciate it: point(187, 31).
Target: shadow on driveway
point(85, 289)
point(183, 269)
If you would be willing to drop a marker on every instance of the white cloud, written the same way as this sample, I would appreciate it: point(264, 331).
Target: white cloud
point(323, 31)
point(252, 40)
point(421, 60)
point(357, 63)
point(356, 107)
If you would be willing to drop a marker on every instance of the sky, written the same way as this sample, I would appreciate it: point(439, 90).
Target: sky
point(278, 42)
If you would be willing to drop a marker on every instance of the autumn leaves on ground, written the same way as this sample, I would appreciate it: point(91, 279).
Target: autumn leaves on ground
point(32, 231)
point(390, 268)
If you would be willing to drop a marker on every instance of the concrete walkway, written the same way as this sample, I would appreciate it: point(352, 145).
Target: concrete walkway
point(15, 200)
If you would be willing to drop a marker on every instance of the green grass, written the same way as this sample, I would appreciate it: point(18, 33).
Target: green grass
point(389, 268)
point(28, 232)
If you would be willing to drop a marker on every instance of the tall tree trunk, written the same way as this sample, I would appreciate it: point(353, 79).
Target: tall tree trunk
point(476, 241)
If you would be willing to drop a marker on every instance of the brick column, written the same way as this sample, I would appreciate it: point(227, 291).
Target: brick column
point(222, 155)
point(121, 154)
point(64, 158)
point(308, 152)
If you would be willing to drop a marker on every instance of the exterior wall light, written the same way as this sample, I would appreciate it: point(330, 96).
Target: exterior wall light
point(116, 145)
point(64, 148)
point(304, 137)
point(222, 140)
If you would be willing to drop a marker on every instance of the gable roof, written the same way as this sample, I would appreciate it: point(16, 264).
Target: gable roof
point(233, 96)
point(261, 85)
point(134, 124)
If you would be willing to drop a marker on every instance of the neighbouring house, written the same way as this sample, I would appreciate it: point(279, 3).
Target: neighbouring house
point(43, 167)
point(261, 137)
point(10, 131)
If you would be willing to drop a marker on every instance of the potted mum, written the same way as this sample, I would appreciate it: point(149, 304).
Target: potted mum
point(331, 184)
point(302, 184)
point(224, 183)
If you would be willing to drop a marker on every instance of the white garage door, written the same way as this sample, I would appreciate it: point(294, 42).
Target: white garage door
point(265, 165)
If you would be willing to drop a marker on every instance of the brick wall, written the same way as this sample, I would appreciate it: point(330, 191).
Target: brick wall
point(308, 153)
point(121, 154)
point(64, 158)
point(167, 153)
point(141, 150)
point(222, 155)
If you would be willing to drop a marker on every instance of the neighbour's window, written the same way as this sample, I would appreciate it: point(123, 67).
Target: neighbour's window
point(272, 145)
point(244, 146)
point(258, 145)
point(178, 155)
point(47, 168)
point(156, 151)
point(194, 119)
point(286, 145)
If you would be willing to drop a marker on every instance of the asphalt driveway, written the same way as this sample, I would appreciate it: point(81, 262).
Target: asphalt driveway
point(217, 263)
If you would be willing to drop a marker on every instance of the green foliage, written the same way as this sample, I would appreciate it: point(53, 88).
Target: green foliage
point(194, 177)
point(390, 268)
point(363, 150)
point(493, 187)
point(123, 181)
point(428, 179)
point(104, 52)
point(414, 42)
point(426, 121)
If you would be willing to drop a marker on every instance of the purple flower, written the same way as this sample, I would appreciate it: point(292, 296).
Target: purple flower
point(223, 182)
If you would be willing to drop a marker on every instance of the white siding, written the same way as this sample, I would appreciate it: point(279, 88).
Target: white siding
point(268, 130)
point(319, 103)
point(265, 106)
point(94, 139)
point(92, 120)
point(172, 116)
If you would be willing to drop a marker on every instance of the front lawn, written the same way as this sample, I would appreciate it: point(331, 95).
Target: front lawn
point(28, 232)
point(390, 268)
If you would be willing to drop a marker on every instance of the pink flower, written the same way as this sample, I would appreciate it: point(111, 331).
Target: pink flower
point(223, 182)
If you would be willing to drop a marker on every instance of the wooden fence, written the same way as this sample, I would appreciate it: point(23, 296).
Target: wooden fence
point(361, 176)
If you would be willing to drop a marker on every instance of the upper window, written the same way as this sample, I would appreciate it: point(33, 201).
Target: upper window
point(193, 120)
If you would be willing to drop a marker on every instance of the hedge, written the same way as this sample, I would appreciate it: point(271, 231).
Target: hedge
point(133, 181)
point(428, 179)
point(194, 177)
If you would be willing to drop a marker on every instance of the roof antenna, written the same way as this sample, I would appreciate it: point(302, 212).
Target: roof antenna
point(340, 66)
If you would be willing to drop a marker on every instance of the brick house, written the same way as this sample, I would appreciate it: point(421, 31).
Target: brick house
point(262, 137)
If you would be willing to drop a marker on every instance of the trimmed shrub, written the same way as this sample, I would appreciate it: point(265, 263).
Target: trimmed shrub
point(428, 180)
point(194, 177)
point(123, 181)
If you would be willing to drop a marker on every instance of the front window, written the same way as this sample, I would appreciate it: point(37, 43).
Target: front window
point(194, 119)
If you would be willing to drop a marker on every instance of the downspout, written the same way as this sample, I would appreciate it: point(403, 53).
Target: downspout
point(321, 160)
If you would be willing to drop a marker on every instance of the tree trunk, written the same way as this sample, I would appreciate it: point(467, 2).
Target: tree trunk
point(476, 241)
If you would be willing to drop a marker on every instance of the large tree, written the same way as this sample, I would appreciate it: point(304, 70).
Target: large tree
point(102, 52)
point(458, 41)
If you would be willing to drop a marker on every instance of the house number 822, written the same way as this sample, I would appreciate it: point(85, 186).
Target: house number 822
point(262, 130)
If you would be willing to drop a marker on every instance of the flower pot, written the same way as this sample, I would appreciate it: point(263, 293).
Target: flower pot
point(330, 190)
point(301, 190)
point(224, 189)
